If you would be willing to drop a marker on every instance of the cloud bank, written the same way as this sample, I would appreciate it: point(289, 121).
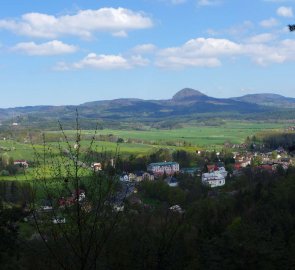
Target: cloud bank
point(84, 23)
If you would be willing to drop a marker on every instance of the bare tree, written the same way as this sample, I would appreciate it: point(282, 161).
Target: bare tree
point(73, 205)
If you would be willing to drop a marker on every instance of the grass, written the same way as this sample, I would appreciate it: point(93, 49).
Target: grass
point(200, 136)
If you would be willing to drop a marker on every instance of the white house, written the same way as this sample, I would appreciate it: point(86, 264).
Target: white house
point(213, 179)
point(124, 178)
point(96, 166)
point(176, 208)
point(21, 163)
point(58, 220)
point(222, 171)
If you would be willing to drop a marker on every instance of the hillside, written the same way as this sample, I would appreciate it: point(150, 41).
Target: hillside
point(187, 104)
point(267, 99)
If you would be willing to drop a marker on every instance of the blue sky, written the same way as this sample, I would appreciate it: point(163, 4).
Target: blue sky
point(69, 52)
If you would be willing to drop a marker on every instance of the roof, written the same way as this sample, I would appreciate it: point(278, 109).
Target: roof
point(220, 164)
point(212, 167)
point(163, 163)
point(190, 170)
point(171, 180)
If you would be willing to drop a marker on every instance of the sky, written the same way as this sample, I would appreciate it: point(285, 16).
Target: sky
point(56, 52)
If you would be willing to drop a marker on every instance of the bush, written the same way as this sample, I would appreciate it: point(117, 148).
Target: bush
point(4, 173)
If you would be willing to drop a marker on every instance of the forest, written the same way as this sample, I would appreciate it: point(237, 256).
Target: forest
point(249, 224)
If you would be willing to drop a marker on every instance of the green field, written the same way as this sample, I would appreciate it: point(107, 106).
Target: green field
point(196, 137)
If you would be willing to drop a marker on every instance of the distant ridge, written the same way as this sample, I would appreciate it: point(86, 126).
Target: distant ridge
point(187, 103)
point(268, 99)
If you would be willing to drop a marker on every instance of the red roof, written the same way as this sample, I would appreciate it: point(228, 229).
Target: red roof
point(212, 168)
point(237, 166)
point(266, 167)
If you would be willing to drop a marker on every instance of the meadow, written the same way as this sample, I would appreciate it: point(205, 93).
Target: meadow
point(189, 138)
point(204, 137)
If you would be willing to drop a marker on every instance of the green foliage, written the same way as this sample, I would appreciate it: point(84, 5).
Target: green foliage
point(275, 140)
point(4, 173)
point(184, 158)
point(160, 191)
point(9, 248)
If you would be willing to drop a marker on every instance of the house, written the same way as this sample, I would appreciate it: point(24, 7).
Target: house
point(148, 176)
point(171, 181)
point(212, 168)
point(245, 163)
point(79, 195)
point(220, 164)
point(46, 205)
point(21, 163)
point(118, 208)
point(286, 160)
point(124, 177)
point(222, 171)
point(177, 209)
point(160, 168)
point(141, 175)
point(215, 168)
point(96, 166)
point(132, 176)
point(58, 220)
point(213, 179)
point(237, 166)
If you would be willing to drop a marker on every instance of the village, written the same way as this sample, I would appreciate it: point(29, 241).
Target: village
point(213, 174)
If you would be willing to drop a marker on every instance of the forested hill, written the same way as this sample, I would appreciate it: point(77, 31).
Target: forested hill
point(185, 104)
point(268, 100)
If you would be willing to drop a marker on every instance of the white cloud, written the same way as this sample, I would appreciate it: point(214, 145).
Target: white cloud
point(122, 34)
point(198, 52)
point(210, 52)
point(83, 24)
point(271, 22)
point(144, 48)
point(262, 38)
point(104, 62)
point(285, 11)
point(54, 47)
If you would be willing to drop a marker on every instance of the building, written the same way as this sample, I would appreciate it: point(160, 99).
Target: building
point(160, 168)
point(21, 163)
point(213, 179)
point(96, 166)
point(223, 171)
point(171, 181)
point(191, 171)
point(124, 177)
point(141, 176)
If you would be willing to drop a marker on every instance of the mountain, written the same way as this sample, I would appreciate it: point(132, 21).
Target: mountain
point(267, 99)
point(187, 93)
point(186, 104)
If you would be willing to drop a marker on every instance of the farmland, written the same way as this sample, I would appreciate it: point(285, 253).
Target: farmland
point(208, 137)
point(140, 142)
